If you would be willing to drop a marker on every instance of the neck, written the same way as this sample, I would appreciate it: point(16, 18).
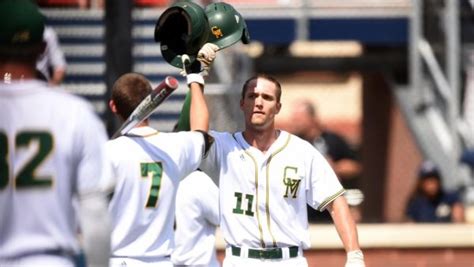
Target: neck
point(15, 71)
point(262, 140)
point(143, 124)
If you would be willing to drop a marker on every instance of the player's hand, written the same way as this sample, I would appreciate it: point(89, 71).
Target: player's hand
point(192, 71)
point(355, 258)
point(207, 54)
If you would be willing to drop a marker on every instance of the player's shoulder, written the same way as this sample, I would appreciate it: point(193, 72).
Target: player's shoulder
point(297, 142)
point(59, 93)
point(303, 147)
point(114, 148)
point(223, 135)
point(197, 181)
point(179, 135)
point(199, 177)
point(42, 91)
point(77, 104)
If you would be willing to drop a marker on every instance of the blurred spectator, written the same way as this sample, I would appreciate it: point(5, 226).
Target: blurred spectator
point(430, 203)
point(306, 124)
point(467, 158)
point(51, 64)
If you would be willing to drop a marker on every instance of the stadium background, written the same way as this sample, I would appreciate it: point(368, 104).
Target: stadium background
point(389, 75)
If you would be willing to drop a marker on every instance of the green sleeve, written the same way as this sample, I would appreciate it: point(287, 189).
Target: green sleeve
point(183, 121)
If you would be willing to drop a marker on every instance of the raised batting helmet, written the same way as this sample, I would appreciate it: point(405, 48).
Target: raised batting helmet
point(226, 25)
point(181, 29)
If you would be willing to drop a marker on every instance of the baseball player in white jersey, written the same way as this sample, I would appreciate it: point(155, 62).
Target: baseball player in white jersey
point(266, 177)
point(197, 217)
point(52, 63)
point(147, 168)
point(51, 156)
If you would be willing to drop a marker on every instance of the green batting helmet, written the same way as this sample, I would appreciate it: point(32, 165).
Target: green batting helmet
point(181, 29)
point(226, 25)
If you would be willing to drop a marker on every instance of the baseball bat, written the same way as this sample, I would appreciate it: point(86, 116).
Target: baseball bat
point(148, 105)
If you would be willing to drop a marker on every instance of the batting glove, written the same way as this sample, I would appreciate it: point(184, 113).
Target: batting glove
point(207, 54)
point(355, 258)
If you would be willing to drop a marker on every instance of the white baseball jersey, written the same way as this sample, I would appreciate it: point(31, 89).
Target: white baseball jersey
point(263, 196)
point(148, 166)
point(51, 149)
point(53, 56)
point(197, 216)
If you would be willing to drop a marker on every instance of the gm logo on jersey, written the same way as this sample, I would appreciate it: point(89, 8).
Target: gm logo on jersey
point(292, 181)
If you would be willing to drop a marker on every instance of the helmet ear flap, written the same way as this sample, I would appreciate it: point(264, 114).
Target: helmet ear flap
point(245, 35)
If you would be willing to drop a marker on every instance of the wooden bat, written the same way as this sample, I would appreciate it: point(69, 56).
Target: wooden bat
point(148, 105)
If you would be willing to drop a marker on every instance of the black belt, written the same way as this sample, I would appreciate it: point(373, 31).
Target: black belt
point(53, 252)
point(269, 253)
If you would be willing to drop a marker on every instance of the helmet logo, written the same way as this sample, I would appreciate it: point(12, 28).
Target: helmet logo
point(21, 37)
point(237, 18)
point(216, 31)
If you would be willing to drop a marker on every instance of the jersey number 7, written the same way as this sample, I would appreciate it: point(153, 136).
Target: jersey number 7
point(153, 170)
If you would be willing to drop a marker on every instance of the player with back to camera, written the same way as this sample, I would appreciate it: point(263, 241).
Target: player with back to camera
point(197, 217)
point(147, 168)
point(197, 212)
point(51, 157)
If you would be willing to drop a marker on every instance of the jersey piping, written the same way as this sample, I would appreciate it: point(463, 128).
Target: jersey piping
point(330, 199)
point(137, 132)
point(260, 228)
point(267, 189)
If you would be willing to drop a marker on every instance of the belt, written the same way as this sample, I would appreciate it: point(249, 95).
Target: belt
point(269, 253)
point(54, 252)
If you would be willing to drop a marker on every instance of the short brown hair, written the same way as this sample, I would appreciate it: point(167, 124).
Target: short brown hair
point(266, 77)
point(128, 91)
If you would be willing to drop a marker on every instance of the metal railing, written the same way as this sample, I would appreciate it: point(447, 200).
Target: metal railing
point(439, 90)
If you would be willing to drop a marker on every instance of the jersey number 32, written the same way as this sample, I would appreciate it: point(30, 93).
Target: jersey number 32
point(26, 177)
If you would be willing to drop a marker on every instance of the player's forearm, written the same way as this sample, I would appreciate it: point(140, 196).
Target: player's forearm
point(95, 226)
point(199, 113)
point(58, 76)
point(345, 225)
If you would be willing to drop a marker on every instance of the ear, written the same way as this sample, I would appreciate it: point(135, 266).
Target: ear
point(112, 106)
point(278, 107)
point(241, 104)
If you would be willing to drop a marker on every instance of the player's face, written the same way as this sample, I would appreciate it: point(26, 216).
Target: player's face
point(260, 104)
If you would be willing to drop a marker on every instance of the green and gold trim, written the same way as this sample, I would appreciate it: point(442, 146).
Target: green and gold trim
point(260, 229)
point(330, 199)
point(267, 198)
point(142, 135)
